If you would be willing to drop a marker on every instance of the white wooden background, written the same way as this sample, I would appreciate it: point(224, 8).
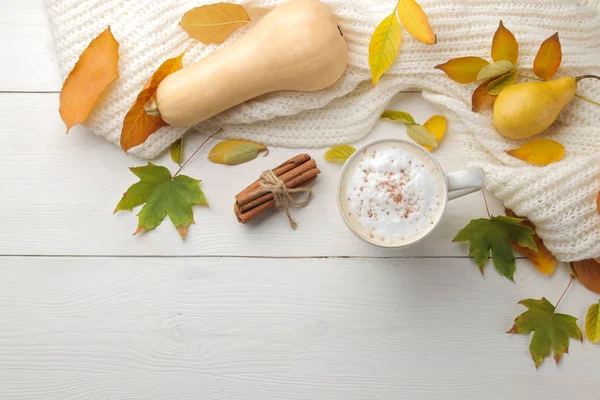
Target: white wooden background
point(88, 311)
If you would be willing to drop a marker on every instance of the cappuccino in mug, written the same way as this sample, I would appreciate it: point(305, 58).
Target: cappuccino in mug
point(392, 193)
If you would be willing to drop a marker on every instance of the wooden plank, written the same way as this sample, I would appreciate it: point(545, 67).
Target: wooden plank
point(59, 192)
point(28, 54)
point(220, 328)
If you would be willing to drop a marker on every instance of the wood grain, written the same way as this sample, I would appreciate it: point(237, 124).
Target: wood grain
point(263, 329)
point(29, 58)
point(60, 191)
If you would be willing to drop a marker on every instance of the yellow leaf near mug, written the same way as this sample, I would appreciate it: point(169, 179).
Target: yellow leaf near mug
point(339, 154)
point(436, 125)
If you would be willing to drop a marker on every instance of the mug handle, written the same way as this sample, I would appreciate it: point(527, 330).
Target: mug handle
point(465, 181)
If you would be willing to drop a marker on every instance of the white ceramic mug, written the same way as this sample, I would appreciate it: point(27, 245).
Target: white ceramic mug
point(456, 184)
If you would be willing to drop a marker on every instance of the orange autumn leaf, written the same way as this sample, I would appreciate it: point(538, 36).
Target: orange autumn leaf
point(504, 45)
point(539, 152)
point(588, 273)
point(548, 58)
point(482, 100)
point(463, 69)
point(138, 125)
point(415, 21)
point(436, 125)
point(93, 72)
point(543, 260)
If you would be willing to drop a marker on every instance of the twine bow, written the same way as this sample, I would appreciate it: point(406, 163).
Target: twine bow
point(270, 183)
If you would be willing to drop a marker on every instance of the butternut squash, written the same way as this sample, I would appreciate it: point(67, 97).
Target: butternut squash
point(296, 46)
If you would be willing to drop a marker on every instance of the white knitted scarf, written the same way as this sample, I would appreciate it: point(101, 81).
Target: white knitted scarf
point(560, 199)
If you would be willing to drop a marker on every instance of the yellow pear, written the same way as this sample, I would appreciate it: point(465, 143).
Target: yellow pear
point(527, 109)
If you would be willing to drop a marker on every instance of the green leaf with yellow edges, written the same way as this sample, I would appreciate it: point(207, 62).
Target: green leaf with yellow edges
point(493, 235)
point(162, 195)
point(234, 152)
point(551, 331)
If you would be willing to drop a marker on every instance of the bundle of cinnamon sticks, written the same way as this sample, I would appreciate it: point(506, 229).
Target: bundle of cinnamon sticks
point(299, 171)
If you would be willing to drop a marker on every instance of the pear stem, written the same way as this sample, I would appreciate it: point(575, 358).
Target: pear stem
point(578, 78)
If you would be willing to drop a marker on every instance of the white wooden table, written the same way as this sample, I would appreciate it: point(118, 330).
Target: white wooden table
point(87, 311)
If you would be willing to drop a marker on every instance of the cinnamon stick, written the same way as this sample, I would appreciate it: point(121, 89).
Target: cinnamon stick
point(249, 195)
point(292, 183)
point(246, 216)
point(279, 170)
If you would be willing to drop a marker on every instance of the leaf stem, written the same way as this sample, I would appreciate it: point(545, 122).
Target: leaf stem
point(588, 100)
point(530, 77)
point(486, 205)
point(196, 152)
point(563, 294)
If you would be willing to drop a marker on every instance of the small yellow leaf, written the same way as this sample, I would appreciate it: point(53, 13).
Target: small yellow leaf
point(415, 21)
point(176, 151)
point(214, 23)
point(399, 116)
point(422, 136)
point(464, 69)
point(502, 82)
point(339, 154)
point(384, 46)
point(539, 152)
point(482, 100)
point(234, 152)
point(592, 323)
point(91, 75)
point(495, 69)
point(543, 260)
point(505, 46)
point(138, 125)
point(548, 58)
point(436, 125)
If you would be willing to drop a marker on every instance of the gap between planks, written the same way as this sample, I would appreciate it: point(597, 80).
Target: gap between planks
point(241, 257)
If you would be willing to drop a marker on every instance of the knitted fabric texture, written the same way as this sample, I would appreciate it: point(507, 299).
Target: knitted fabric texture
point(560, 199)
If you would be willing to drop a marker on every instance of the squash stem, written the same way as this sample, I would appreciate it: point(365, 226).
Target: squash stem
point(151, 107)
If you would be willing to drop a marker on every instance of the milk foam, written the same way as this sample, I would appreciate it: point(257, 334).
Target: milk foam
point(391, 194)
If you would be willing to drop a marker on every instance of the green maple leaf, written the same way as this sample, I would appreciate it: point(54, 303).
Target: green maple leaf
point(163, 195)
point(550, 330)
point(485, 235)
